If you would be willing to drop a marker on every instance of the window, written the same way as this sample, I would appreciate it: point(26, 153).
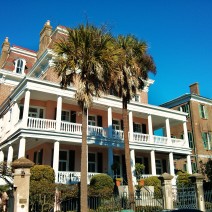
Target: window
point(20, 66)
point(137, 98)
point(159, 169)
point(65, 115)
point(92, 120)
point(207, 140)
point(190, 140)
point(203, 111)
point(34, 112)
point(194, 167)
point(63, 160)
point(137, 127)
point(91, 162)
point(116, 125)
point(185, 108)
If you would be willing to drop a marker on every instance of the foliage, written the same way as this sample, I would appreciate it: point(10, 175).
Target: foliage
point(154, 181)
point(4, 188)
point(208, 169)
point(42, 187)
point(148, 208)
point(139, 168)
point(101, 185)
point(183, 179)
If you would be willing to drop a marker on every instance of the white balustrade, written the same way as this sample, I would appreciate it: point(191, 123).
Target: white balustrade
point(96, 131)
point(44, 124)
point(118, 134)
point(67, 177)
point(160, 139)
point(178, 142)
point(140, 137)
point(71, 127)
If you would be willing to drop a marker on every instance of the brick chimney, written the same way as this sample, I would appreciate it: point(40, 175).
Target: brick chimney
point(45, 38)
point(4, 51)
point(194, 88)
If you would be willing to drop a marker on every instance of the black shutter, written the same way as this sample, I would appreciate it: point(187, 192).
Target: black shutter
point(40, 157)
point(52, 157)
point(21, 112)
point(133, 126)
point(122, 125)
point(146, 164)
point(99, 121)
point(73, 116)
point(99, 162)
point(144, 128)
point(164, 166)
point(55, 114)
point(35, 157)
point(71, 160)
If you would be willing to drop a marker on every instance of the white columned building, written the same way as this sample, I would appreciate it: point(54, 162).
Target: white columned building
point(153, 166)
point(150, 128)
point(168, 131)
point(58, 114)
point(26, 107)
point(189, 168)
point(10, 156)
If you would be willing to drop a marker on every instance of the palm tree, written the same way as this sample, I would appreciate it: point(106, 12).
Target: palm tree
point(129, 79)
point(85, 58)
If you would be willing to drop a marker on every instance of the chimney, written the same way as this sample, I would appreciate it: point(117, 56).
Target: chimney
point(45, 38)
point(194, 88)
point(4, 51)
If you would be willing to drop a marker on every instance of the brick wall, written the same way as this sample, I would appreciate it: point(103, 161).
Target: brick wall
point(5, 91)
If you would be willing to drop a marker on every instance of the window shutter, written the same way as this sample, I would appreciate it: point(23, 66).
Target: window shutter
point(204, 140)
point(99, 121)
point(99, 162)
point(200, 111)
point(35, 157)
point(21, 112)
point(71, 160)
point(52, 157)
point(146, 164)
point(144, 128)
point(55, 113)
point(73, 116)
point(122, 125)
point(40, 157)
point(164, 166)
point(133, 126)
point(206, 112)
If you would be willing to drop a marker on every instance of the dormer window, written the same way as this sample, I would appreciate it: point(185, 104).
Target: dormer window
point(20, 66)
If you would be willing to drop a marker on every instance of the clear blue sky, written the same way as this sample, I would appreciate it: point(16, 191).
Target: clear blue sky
point(178, 32)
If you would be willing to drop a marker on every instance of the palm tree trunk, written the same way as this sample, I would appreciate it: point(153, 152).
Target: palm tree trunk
point(84, 164)
point(127, 149)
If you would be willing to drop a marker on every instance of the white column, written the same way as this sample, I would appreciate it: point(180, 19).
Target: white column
point(189, 168)
point(59, 111)
point(150, 128)
point(10, 156)
point(185, 133)
point(132, 159)
point(15, 113)
point(153, 167)
point(171, 163)
point(110, 160)
point(1, 156)
point(56, 159)
point(26, 107)
point(168, 131)
point(131, 125)
point(22, 146)
point(110, 122)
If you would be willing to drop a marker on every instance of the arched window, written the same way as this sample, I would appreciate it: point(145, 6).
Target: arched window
point(20, 66)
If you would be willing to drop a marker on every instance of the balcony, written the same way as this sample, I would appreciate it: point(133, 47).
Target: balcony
point(93, 131)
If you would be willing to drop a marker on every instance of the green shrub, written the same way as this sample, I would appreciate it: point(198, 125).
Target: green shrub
point(101, 185)
point(148, 208)
point(183, 179)
point(154, 181)
point(208, 169)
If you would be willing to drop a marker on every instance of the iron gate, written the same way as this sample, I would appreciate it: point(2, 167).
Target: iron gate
point(185, 197)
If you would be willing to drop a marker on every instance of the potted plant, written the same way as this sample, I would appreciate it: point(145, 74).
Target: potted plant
point(139, 168)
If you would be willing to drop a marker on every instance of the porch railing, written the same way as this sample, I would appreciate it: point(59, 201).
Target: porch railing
point(75, 128)
point(67, 177)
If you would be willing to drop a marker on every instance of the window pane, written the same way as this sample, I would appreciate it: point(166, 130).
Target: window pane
point(63, 155)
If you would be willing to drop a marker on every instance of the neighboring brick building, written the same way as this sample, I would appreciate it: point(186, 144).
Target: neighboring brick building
point(199, 125)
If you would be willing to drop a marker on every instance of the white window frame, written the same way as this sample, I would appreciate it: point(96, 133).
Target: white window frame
point(67, 116)
point(203, 111)
point(21, 68)
point(92, 162)
point(136, 125)
point(137, 98)
point(64, 161)
point(117, 125)
point(92, 120)
point(38, 113)
point(185, 108)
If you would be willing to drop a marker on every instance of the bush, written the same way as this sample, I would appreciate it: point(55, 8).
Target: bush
point(183, 179)
point(208, 169)
point(154, 181)
point(101, 185)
